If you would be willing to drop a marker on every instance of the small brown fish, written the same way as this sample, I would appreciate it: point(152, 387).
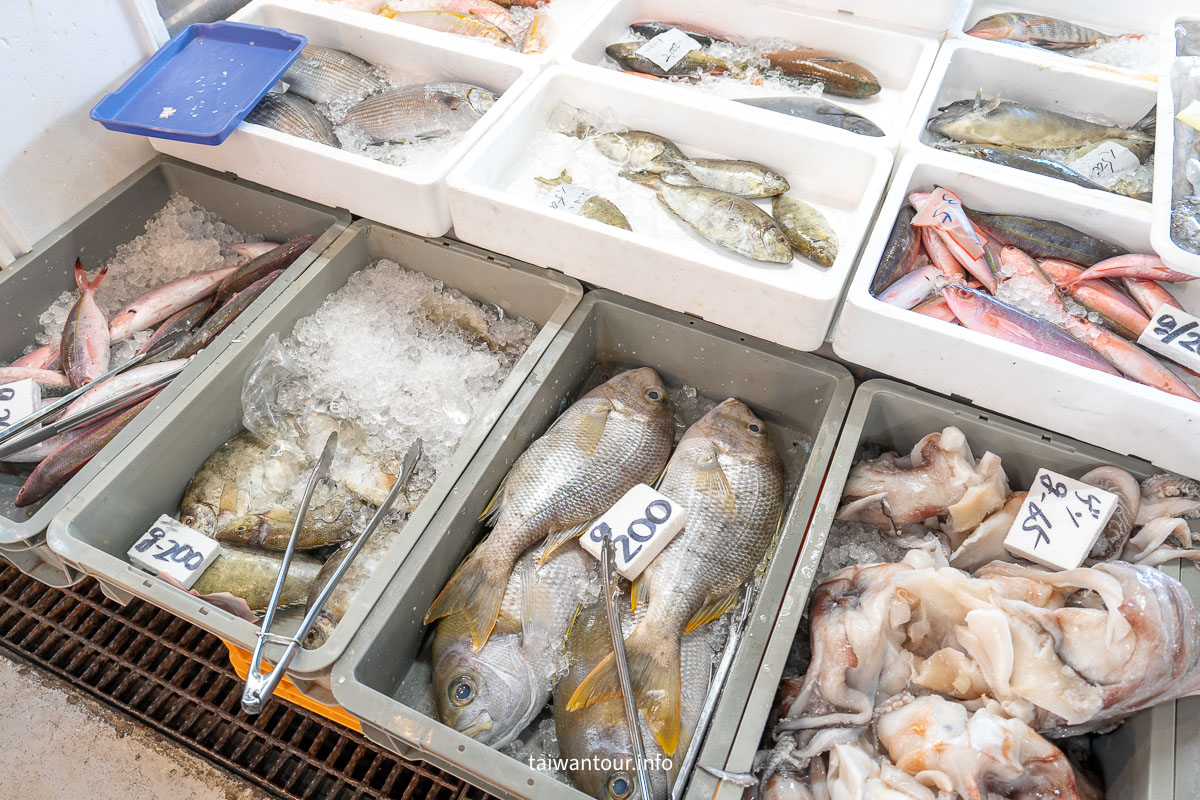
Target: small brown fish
point(838, 76)
point(251, 575)
point(1037, 29)
point(85, 339)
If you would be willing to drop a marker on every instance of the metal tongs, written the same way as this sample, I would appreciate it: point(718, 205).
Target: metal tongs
point(10, 440)
point(260, 687)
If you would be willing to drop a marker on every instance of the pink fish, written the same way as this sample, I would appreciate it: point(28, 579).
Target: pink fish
point(45, 357)
point(166, 300)
point(249, 250)
point(1099, 296)
point(1149, 295)
point(50, 381)
point(913, 288)
point(941, 256)
point(494, 13)
point(1132, 265)
point(85, 339)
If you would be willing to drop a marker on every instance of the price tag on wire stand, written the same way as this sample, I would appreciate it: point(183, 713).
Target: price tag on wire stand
point(1059, 521)
point(1105, 164)
point(174, 548)
point(569, 198)
point(668, 48)
point(1174, 333)
point(18, 400)
point(641, 524)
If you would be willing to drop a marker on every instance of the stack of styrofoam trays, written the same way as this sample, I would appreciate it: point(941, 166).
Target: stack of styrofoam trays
point(409, 197)
point(1170, 179)
point(964, 68)
point(899, 57)
point(1105, 410)
point(495, 204)
point(1112, 17)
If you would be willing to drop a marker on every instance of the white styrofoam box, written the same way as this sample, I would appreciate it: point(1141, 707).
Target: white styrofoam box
point(789, 304)
point(410, 198)
point(1107, 16)
point(964, 68)
point(899, 58)
point(1164, 158)
point(933, 16)
point(1040, 389)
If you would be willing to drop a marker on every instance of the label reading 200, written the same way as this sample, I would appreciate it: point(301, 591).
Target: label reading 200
point(640, 525)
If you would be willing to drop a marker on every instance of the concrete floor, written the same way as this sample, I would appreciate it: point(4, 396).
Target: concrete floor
point(57, 743)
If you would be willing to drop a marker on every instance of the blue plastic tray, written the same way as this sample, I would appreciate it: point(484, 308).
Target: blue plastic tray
point(200, 85)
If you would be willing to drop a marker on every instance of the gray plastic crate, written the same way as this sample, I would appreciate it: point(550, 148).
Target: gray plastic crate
point(1139, 757)
point(34, 281)
point(97, 528)
point(381, 677)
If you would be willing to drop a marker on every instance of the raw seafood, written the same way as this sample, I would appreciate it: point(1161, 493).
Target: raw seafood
point(816, 110)
point(1004, 122)
point(85, 337)
point(1038, 30)
point(322, 74)
point(837, 75)
point(402, 115)
point(806, 228)
point(292, 114)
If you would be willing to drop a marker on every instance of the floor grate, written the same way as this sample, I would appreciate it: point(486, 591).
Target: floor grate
point(176, 678)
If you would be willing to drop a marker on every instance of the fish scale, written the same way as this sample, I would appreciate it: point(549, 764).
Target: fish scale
point(292, 114)
point(323, 75)
point(402, 114)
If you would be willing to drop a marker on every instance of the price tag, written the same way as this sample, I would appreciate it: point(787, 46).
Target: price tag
point(18, 400)
point(1059, 521)
point(668, 48)
point(174, 548)
point(641, 524)
point(569, 198)
point(1174, 333)
point(1105, 164)
point(944, 211)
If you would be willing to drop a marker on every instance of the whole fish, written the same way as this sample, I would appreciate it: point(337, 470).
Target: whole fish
point(331, 519)
point(692, 62)
point(1029, 162)
point(936, 307)
point(492, 694)
point(1149, 295)
point(1043, 238)
point(537, 34)
point(292, 114)
point(1003, 122)
point(249, 250)
point(1120, 312)
point(180, 323)
point(47, 357)
point(640, 151)
point(837, 75)
point(479, 98)
point(279, 257)
point(981, 312)
point(494, 13)
point(595, 207)
point(724, 219)
point(598, 735)
point(459, 24)
point(939, 253)
point(229, 483)
point(130, 379)
point(323, 75)
point(402, 115)
point(61, 465)
point(901, 254)
point(743, 178)
point(1130, 360)
point(224, 316)
point(912, 289)
point(702, 36)
point(85, 341)
point(1038, 30)
point(251, 575)
point(1132, 265)
point(52, 384)
point(729, 477)
point(165, 301)
point(806, 228)
point(614, 437)
point(817, 110)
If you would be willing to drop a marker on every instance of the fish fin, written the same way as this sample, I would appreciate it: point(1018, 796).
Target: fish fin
point(1147, 124)
point(563, 177)
point(653, 671)
point(590, 427)
point(81, 279)
point(647, 179)
point(712, 482)
point(711, 610)
point(991, 105)
point(477, 589)
point(640, 594)
point(492, 510)
point(229, 499)
point(574, 619)
point(558, 538)
point(978, 100)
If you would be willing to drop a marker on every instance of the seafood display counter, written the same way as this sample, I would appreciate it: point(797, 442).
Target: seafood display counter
point(336, 351)
point(200, 217)
point(1176, 228)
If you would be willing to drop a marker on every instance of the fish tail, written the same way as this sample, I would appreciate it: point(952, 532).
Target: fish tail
point(81, 278)
point(653, 671)
point(477, 590)
point(1149, 123)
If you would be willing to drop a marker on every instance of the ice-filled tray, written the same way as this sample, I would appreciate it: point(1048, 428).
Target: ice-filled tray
point(1169, 182)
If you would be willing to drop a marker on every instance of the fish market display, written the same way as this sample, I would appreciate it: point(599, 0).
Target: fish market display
point(642, 181)
point(390, 357)
point(184, 276)
point(1049, 143)
point(936, 664)
point(1132, 51)
point(336, 99)
point(1184, 77)
point(768, 73)
point(1041, 285)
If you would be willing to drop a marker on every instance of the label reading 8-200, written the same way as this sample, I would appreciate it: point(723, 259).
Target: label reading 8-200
point(172, 547)
point(641, 524)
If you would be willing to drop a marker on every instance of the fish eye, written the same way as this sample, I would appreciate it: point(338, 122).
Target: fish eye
point(462, 691)
point(189, 520)
point(754, 427)
point(240, 528)
point(620, 786)
point(653, 394)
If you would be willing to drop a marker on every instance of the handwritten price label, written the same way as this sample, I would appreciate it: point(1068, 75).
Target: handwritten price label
point(1105, 164)
point(944, 212)
point(1175, 334)
point(174, 548)
point(1059, 521)
point(668, 48)
point(641, 524)
point(569, 198)
point(18, 400)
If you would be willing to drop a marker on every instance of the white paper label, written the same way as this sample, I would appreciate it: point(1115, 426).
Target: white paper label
point(174, 548)
point(1059, 521)
point(1105, 164)
point(1175, 334)
point(569, 198)
point(18, 400)
point(641, 524)
point(666, 49)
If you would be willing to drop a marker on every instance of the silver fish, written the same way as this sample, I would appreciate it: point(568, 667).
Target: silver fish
point(743, 178)
point(402, 115)
point(1003, 122)
point(292, 114)
point(323, 75)
point(806, 228)
point(816, 109)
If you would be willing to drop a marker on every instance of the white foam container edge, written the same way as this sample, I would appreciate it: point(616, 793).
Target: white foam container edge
point(792, 305)
point(413, 199)
point(901, 57)
point(1108, 411)
point(1171, 253)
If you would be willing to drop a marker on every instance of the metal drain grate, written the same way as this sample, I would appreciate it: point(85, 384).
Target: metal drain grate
point(176, 678)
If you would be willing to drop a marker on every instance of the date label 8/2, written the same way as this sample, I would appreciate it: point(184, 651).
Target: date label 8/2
point(641, 524)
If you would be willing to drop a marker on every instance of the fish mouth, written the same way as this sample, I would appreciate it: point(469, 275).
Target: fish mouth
point(481, 724)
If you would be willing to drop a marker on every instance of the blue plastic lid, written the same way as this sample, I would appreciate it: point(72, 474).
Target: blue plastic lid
point(202, 83)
